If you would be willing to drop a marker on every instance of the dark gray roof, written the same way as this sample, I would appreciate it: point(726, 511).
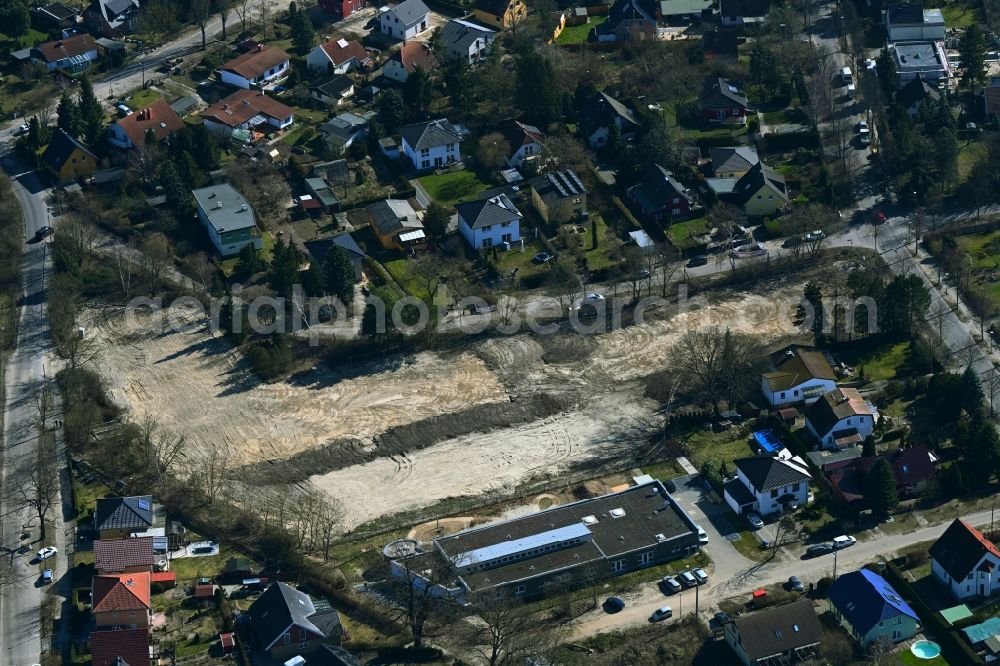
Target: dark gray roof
point(735, 489)
point(183, 104)
point(744, 8)
point(602, 109)
point(627, 10)
point(235, 212)
point(115, 7)
point(392, 215)
point(657, 187)
point(347, 242)
point(960, 549)
point(916, 91)
point(723, 90)
point(124, 513)
point(430, 134)
point(776, 630)
point(733, 158)
point(463, 34)
point(558, 185)
point(60, 147)
point(905, 13)
point(332, 655)
point(756, 178)
point(281, 606)
point(769, 472)
point(335, 86)
point(486, 212)
point(410, 11)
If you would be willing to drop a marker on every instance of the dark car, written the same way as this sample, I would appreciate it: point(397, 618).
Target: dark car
point(613, 605)
point(699, 260)
point(819, 549)
point(43, 232)
point(722, 618)
point(792, 241)
point(795, 584)
point(670, 486)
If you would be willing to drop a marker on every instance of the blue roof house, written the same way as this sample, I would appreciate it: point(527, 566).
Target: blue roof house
point(870, 609)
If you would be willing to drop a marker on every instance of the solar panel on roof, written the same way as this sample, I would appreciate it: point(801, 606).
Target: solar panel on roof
point(556, 184)
point(516, 546)
point(571, 175)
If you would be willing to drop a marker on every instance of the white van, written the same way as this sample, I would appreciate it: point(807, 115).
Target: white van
point(843, 541)
point(851, 90)
point(846, 76)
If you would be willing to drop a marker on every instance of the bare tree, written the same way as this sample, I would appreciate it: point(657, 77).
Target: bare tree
point(565, 282)
point(636, 270)
point(493, 150)
point(419, 592)
point(123, 263)
point(39, 490)
point(79, 350)
point(244, 9)
point(223, 7)
point(201, 13)
point(718, 364)
point(264, 9)
point(991, 384)
point(666, 267)
point(157, 257)
point(158, 17)
point(504, 631)
point(158, 450)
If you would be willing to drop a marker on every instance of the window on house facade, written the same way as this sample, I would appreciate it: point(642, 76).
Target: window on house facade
point(618, 565)
point(759, 197)
point(646, 558)
point(488, 227)
point(520, 589)
point(676, 211)
point(782, 395)
point(795, 488)
point(774, 493)
point(424, 152)
point(287, 638)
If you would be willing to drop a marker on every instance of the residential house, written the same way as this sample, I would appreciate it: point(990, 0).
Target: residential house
point(114, 556)
point(66, 159)
point(334, 91)
point(132, 130)
point(341, 132)
point(342, 8)
point(966, 561)
point(466, 41)
point(228, 218)
point(870, 609)
point(255, 68)
point(112, 18)
point(909, 21)
point(500, 14)
point(912, 468)
point(732, 161)
point(800, 374)
point(916, 93)
point(525, 143)
point(559, 196)
point(601, 111)
point(432, 143)
point(629, 20)
point(332, 655)
point(926, 59)
point(337, 56)
point(318, 249)
point(119, 517)
point(991, 95)
point(286, 623)
point(742, 12)
point(658, 196)
point(406, 20)
point(120, 647)
point(321, 191)
point(396, 225)
point(761, 192)
point(721, 46)
point(73, 54)
point(841, 418)
point(247, 110)
point(56, 16)
point(410, 57)
point(776, 635)
point(723, 103)
point(767, 484)
point(121, 599)
point(683, 11)
point(488, 222)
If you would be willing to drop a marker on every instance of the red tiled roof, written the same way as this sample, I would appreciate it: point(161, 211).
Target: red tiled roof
point(204, 591)
point(415, 54)
point(67, 48)
point(256, 62)
point(163, 578)
point(121, 592)
point(227, 640)
point(243, 105)
point(120, 554)
point(158, 117)
point(340, 51)
point(132, 645)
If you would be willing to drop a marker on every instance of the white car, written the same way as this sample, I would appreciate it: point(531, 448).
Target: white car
point(702, 535)
point(47, 552)
point(670, 583)
point(661, 614)
point(815, 235)
point(755, 520)
point(700, 576)
point(592, 298)
point(23, 129)
point(843, 541)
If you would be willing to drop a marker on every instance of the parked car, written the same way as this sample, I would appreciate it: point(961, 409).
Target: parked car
point(670, 583)
point(688, 579)
point(723, 618)
point(815, 235)
point(46, 576)
point(670, 485)
point(755, 521)
point(661, 614)
point(818, 549)
point(23, 129)
point(699, 260)
point(47, 552)
point(542, 258)
point(592, 298)
point(613, 605)
point(43, 232)
point(795, 584)
point(843, 541)
point(702, 535)
point(700, 575)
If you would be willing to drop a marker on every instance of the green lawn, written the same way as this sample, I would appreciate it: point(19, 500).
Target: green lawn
point(229, 264)
point(666, 469)
point(907, 658)
point(969, 154)
point(597, 256)
point(880, 358)
point(960, 15)
point(681, 233)
point(189, 568)
point(521, 259)
point(142, 99)
point(402, 271)
point(724, 447)
point(577, 34)
point(450, 188)
point(27, 39)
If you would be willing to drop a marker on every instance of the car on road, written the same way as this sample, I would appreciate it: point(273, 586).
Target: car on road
point(818, 549)
point(722, 618)
point(843, 541)
point(46, 553)
point(815, 235)
point(203, 550)
point(46, 576)
point(698, 260)
point(542, 258)
point(661, 614)
point(702, 535)
point(643, 274)
point(755, 521)
point(23, 129)
point(688, 579)
point(670, 583)
point(613, 605)
point(795, 584)
point(43, 232)
point(700, 575)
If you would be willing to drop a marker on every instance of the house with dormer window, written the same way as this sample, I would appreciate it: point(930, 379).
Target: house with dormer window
point(767, 484)
point(966, 561)
point(286, 623)
point(870, 609)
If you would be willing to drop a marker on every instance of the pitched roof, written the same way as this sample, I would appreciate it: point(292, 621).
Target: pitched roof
point(558, 185)
point(744, 8)
point(520, 134)
point(865, 599)
point(335, 86)
point(340, 51)
point(464, 34)
point(757, 177)
point(415, 54)
point(769, 472)
point(909, 467)
point(121, 592)
point(243, 105)
point(486, 212)
point(657, 187)
point(915, 91)
point(728, 159)
point(775, 630)
point(961, 548)
point(740, 493)
point(158, 117)
point(835, 405)
point(332, 655)
point(602, 109)
point(59, 11)
point(723, 90)
point(128, 513)
point(60, 147)
point(347, 243)
point(391, 215)
point(121, 554)
point(905, 13)
point(627, 10)
point(978, 633)
point(430, 134)
point(254, 63)
point(112, 8)
point(279, 607)
point(410, 11)
point(683, 7)
point(493, 7)
point(796, 365)
point(56, 50)
point(130, 645)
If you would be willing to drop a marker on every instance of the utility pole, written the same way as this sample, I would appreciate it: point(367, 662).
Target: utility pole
point(835, 565)
point(697, 589)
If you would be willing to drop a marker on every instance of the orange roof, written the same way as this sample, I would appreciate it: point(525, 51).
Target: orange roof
point(415, 54)
point(158, 117)
point(243, 105)
point(67, 48)
point(340, 51)
point(163, 577)
point(256, 62)
point(117, 592)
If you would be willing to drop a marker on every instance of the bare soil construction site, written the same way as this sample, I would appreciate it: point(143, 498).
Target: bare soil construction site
point(412, 431)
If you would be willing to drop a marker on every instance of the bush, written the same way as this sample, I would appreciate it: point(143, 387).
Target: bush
point(271, 358)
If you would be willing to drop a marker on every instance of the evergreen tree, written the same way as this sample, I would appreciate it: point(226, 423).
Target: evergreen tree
point(38, 135)
point(417, 91)
point(538, 89)
point(313, 281)
point(15, 18)
point(886, 68)
point(91, 113)
point(981, 457)
point(178, 195)
point(436, 220)
point(285, 262)
point(868, 447)
point(303, 34)
point(971, 393)
point(69, 116)
point(946, 151)
point(880, 489)
point(392, 110)
point(249, 262)
point(906, 300)
point(972, 53)
point(814, 296)
point(338, 274)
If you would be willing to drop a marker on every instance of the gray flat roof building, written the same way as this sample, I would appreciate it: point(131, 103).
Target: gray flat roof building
point(926, 58)
point(225, 208)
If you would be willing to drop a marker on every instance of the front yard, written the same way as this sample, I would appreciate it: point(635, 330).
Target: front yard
point(876, 358)
point(521, 260)
point(448, 189)
point(683, 234)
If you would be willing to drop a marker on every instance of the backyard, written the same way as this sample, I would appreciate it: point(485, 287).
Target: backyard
point(521, 260)
point(449, 189)
point(876, 358)
point(577, 34)
point(683, 235)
